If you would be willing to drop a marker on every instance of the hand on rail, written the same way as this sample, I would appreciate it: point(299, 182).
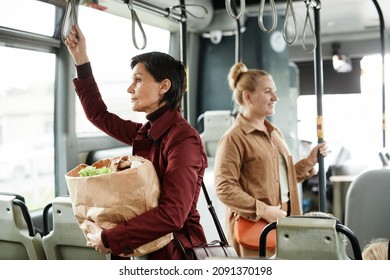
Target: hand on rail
point(321, 149)
point(76, 44)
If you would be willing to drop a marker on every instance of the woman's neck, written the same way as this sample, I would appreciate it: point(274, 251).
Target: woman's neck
point(257, 123)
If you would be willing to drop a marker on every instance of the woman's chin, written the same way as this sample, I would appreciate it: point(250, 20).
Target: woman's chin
point(135, 108)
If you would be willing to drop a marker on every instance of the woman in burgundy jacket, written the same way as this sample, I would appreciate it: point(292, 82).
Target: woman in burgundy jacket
point(166, 139)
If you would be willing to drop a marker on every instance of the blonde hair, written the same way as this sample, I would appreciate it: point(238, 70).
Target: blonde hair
point(342, 237)
point(241, 78)
point(377, 249)
point(321, 214)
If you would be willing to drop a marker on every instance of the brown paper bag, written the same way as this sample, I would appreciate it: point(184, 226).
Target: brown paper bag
point(112, 198)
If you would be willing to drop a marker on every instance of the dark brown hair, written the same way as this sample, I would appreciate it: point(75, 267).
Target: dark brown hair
point(163, 66)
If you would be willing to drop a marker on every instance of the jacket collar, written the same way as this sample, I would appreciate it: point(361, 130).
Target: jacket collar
point(163, 123)
point(248, 128)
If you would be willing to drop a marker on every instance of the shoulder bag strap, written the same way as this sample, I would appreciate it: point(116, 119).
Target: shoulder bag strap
point(221, 234)
point(214, 215)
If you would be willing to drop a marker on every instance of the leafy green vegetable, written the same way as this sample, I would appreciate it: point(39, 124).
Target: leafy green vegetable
point(93, 171)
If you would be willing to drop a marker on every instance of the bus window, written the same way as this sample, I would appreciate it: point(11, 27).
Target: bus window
point(25, 15)
point(344, 117)
point(352, 120)
point(371, 83)
point(27, 125)
point(110, 48)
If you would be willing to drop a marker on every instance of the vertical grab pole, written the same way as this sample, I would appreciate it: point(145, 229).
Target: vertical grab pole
point(382, 28)
point(183, 58)
point(319, 90)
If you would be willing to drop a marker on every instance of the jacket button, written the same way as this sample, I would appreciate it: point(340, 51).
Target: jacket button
point(126, 250)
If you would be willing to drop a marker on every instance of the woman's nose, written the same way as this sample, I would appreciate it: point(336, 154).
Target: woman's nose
point(130, 89)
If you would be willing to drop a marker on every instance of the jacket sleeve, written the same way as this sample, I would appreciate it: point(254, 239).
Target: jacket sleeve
point(96, 110)
point(304, 170)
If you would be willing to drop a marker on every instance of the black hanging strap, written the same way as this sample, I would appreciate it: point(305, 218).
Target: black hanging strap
point(388, 250)
point(214, 215)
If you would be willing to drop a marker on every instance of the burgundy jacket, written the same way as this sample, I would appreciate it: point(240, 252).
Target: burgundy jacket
point(177, 153)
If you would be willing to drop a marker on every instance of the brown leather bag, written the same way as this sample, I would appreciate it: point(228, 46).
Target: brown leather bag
point(215, 249)
point(247, 233)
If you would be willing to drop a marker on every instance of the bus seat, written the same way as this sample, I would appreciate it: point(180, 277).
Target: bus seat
point(94, 156)
point(310, 238)
point(18, 238)
point(215, 123)
point(367, 205)
point(66, 241)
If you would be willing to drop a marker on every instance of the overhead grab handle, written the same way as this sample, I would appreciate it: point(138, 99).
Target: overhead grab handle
point(290, 8)
point(70, 18)
point(181, 8)
point(230, 10)
point(274, 14)
point(135, 20)
point(309, 24)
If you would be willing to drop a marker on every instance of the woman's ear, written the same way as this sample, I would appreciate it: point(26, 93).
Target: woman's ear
point(165, 86)
point(246, 96)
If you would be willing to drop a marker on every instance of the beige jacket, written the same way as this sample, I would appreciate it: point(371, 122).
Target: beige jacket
point(246, 174)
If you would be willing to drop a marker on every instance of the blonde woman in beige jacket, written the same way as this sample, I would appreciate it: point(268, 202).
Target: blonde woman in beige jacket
point(255, 175)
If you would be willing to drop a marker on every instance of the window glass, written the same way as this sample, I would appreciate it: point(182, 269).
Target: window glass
point(26, 15)
point(353, 121)
point(27, 125)
point(110, 48)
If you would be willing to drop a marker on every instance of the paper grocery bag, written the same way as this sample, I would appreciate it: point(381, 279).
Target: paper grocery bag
point(109, 199)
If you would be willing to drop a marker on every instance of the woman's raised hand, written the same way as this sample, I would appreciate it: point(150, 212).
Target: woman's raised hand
point(77, 47)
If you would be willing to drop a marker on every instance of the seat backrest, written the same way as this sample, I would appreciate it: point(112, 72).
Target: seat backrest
point(66, 241)
point(18, 239)
point(367, 205)
point(310, 238)
point(215, 124)
point(96, 155)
